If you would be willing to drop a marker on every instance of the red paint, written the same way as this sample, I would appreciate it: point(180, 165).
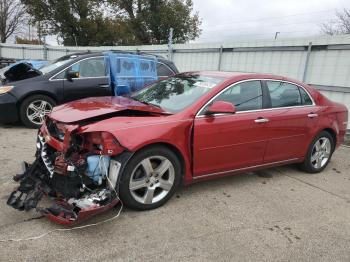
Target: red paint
point(219, 143)
point(82, 215)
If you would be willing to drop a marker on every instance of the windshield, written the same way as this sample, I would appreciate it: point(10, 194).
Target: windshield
point(56, 64)
point(178, 92)
point(3, 70)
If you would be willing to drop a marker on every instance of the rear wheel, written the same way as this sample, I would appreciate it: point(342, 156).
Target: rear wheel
point(319, 153)
point(34, 110)
point(150, 178)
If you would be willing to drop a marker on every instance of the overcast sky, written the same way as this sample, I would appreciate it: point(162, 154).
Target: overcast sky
point(227, 20)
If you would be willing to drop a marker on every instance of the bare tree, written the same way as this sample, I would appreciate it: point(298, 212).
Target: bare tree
point(339, 25)
point(12, 16)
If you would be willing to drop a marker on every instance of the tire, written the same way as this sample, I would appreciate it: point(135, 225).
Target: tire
point(137, 184)
point(37, 107)
point(316, 161)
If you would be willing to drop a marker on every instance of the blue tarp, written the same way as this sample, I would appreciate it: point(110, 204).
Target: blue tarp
point(130, 72)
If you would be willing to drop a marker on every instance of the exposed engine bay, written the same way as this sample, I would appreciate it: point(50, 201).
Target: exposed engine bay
point(81, 181)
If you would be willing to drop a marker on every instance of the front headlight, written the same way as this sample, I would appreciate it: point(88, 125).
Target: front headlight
point(5, 89)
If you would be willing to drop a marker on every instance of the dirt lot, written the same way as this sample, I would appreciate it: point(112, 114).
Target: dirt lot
point(281, 214)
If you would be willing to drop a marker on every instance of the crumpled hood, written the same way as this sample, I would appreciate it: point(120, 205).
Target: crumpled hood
point(19, 71)
point(94, 107)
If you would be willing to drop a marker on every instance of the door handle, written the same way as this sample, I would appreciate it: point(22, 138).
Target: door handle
point(104, 86)
point(312, 115)
point(260, 120)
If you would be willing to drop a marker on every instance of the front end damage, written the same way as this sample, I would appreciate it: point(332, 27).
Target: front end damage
point(78, 171)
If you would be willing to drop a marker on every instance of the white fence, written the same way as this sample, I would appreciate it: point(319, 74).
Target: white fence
point(320, 61)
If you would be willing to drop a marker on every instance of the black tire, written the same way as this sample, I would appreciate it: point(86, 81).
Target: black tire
point(307, 164)
point(26, 103)
point(124, 190)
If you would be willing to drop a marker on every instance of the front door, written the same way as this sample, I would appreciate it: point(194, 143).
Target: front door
point(92, 80)
point(228, 142)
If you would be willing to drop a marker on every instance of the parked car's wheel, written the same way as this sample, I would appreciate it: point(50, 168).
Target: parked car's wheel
point(34, 109)
point(150, 178)
point(319, 153)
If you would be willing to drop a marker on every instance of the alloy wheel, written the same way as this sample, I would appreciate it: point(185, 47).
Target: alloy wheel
point(152, 179)
point(321, 152)
point(38, 110)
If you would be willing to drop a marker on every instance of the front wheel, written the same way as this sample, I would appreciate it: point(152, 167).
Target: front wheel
point(319, 153)
point(150, 178)
point(34, 109)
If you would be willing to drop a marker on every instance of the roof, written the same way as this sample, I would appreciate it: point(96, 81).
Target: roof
point(246, 75)
point(92, 53)
point(238, 76)
point(160, 58)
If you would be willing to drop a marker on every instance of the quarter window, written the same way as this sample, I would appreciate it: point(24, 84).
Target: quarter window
point(245, 96)
point(60, 76)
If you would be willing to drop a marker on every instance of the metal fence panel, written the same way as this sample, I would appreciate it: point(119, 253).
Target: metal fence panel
point(326, 65)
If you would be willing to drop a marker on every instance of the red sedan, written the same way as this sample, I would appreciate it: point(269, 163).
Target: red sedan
point(190, 127)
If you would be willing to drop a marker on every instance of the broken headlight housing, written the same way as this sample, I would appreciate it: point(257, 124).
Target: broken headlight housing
point(102, 143)
point(5, 89)
point(56, 129)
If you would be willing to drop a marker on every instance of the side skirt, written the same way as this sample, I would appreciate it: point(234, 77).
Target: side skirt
point(245, 169)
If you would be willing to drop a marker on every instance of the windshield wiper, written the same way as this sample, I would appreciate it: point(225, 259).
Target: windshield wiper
point(146, 103)
point(151, 104)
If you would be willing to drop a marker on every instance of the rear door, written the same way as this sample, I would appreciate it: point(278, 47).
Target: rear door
point(92, 80)
point(290, 121)
point(223, 143)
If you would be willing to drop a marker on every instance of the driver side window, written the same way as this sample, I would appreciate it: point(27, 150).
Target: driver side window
point(244, 96)
point(93, 67)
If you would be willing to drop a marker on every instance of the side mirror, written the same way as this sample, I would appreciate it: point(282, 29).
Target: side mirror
point(221, 107)
point(72, 74)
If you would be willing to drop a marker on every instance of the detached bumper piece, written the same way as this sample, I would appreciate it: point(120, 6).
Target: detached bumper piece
point(61, 213)
point(31, 188)
point(75, 195)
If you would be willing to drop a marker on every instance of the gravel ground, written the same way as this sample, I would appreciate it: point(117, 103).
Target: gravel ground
point(280, 214)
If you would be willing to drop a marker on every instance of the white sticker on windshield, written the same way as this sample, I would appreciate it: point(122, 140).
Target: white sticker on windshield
point(205, 84)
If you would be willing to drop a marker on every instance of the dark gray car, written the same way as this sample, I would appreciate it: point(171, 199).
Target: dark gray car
point(66, 79)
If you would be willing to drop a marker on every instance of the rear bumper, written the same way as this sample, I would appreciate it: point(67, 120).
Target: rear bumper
point(8, 109)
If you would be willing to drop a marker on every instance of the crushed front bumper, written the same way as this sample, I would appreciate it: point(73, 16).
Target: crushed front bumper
point(73, 201)
point(65, 211)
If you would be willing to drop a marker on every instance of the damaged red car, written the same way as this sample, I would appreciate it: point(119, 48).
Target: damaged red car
point(191, 127)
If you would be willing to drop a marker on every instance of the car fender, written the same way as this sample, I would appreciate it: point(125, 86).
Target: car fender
point(173, 132)
point(39, 92)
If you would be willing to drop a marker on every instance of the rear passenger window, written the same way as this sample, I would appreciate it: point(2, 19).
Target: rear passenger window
point(163, 70)
point(283, 94)
point(306, 100)
point(245, 96)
